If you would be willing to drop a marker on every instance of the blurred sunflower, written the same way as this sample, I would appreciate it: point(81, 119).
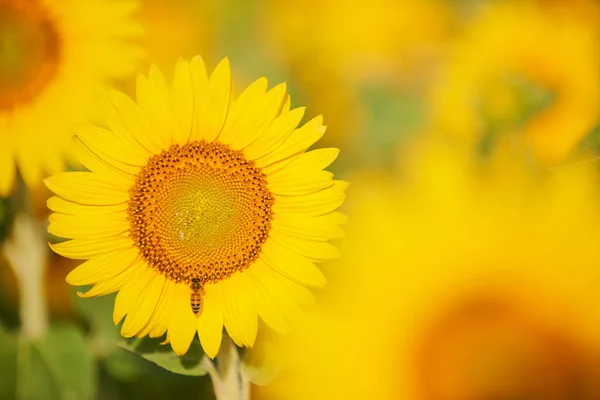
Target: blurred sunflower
point(461, 281)
point(538, 85)
point(345, 45)
point(176, 29)
point(201, 210)
point(54, 58)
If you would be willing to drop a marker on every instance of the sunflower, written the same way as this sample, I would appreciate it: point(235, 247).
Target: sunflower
point(201, 210)
point(462, 280)
point(55, 58)
point(354, 47)
point(537, 88)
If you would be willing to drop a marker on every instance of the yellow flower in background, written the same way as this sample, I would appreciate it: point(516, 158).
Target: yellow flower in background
point(55, 57)
point(524, 72)
point(345, 45)
point(358, 40)
point(176, 29)
point(201, 210)
point(462, 281)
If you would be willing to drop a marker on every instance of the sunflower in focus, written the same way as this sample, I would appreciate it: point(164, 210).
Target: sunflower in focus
point(538, 86)
point(462, 281)
point(201, 210)
point(55, 57)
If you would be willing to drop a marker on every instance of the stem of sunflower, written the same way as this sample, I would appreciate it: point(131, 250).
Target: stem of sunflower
point(228, 380)
point(26, 251)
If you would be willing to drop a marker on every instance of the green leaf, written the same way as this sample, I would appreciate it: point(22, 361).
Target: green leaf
point(6, 217)
point(58, 367)
point(190, 364)
point(124, 365)
point(590, 144)
point(104, 335)
point(8, 364)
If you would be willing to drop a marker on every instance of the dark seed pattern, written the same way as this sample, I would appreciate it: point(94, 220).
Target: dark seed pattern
point(200, 212)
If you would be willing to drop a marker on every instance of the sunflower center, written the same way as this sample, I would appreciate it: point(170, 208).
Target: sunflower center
point(29, 51)
point(200, 211)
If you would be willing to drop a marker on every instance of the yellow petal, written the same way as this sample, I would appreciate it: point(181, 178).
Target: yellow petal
point(256, 114)
point(279, 131)
point(182, 103)
point(111, 148)
point(153, 99)
point(311, 161)
point(280, 289)
point(214, 108)
point(318, 203)
point(115, 283)
point(87, 188)
point(129, 296)
point(286, 104)
point(60, 205)
point(28, 166)
point(322, 228)
point(145, 304)
point(240, 317)
point(300, 140)
point(266, 305)
point(102, 268)
point(88, 227)
point(160, 320)
point(210, 321)
point(318, 251)
point(244, 113)
point(81, 249)
point(300, 184)
point(99, 165)
point(7, 169)
point(291, 265)
point(183, 325)
point(135, 122)
point(200, 89)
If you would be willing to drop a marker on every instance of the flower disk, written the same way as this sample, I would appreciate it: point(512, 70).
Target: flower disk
point(200, 210)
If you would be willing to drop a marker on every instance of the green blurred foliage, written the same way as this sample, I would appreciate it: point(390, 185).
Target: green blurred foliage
point(59, 366)
point(151, 349)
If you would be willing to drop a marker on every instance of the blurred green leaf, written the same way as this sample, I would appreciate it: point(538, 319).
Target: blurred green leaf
point(104, 335)
point(6, 217)
point(590, 144)
point(163, 356)
point(124, 365)
point(393, 117)
point(59, 366)
point(8, 364)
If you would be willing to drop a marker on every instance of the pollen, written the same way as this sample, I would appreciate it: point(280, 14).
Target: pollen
point(30, 51)
point(200, 211)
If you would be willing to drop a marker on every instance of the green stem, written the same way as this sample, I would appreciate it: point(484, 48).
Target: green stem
point(26, 251)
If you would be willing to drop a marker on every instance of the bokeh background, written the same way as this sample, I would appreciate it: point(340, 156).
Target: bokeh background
point(470, 133)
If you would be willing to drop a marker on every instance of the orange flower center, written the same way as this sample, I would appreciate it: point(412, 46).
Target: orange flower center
point(29, 51)
point(200, 211)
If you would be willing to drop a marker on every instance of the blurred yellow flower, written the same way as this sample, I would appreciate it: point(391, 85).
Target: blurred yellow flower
point(458, 281)
point(333, 47)
point(54, 59)
point(201, 210)
point(176, 29)
point(526, 72)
